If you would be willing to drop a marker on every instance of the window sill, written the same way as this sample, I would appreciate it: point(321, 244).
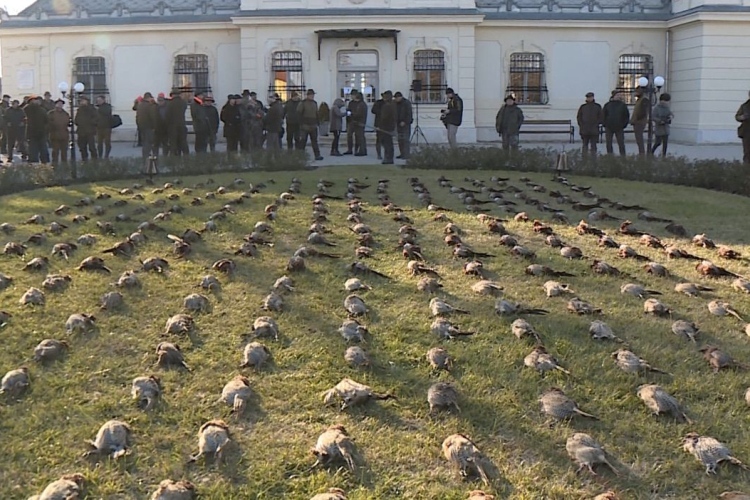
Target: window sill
point(535, 106)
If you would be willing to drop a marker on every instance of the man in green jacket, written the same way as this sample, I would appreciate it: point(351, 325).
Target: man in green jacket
point(308, 116)
point(508, 123)
point(639, 119)
point(589, 119)
point(743, 116)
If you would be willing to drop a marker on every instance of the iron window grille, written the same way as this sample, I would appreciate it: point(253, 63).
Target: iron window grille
point(429, 67)
point(631, 68)
point(527, 78)
point(91, 71)
point(190, 74)
point(286, 74)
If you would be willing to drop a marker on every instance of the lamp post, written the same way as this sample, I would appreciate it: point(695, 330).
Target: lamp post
point(652, 88)
point(64, 89)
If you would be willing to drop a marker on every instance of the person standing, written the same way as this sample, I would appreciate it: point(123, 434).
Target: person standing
point(356, 118)
point(508, 122)
point(639, 119)
point(338, 112)
point(308, 115)
point(146, 119)
point(256, 114)
point(212, 118)
point(58, 120)
point(232, 119)
point(405, 119)
point(176, 124)
point(161, 130)
point(616, 117)
point(4, 106)
point(136, 102)
point(200, 123)
point(376, 107)
point(36, 130)
point(48, 104)
point(662, 117)
point(274, 121)
point(589, 120)
point(453, 115)
point(86, 126)
point(103, 127)
point(388, 125)
point(743, 132)
point(15, 120)
point(292, 121)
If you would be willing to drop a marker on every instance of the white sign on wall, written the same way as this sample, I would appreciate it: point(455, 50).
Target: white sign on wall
point(25, 79)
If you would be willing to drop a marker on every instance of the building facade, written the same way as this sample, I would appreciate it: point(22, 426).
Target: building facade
point(548, 53)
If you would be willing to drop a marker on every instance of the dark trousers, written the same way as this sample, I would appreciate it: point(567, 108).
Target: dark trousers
point(273, 141)
point(746, 149)
point(589, 144)
point(233, 143)
point(312, 133)
point(245, 139)
point(510, 141)
point(292, 135)
point(404, 141)
point(4, 141)
point(335, 142)
point(378, 144)
point(256, 138)
point(148, 147)
point(211, 139)
point(104, 142)
point(355, 137)
point(663, 141)
point(59, 150)
point(87, 145)
point(178, 141)
point(16, 137)
point(38, 151)
point(386, 141)
point(619, 135)
point(201, 142)
point(638, 130)
point(161, 142)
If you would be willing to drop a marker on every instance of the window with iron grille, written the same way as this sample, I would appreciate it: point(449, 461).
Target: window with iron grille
point(429, 67)
point(91, 72)
point(286, 74)
point(631, 68)
point(190, 74)
point(527, 80)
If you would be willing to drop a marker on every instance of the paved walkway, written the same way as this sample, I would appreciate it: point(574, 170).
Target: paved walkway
point(693, 152)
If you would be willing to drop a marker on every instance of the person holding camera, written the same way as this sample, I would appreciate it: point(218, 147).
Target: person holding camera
point(452, 115)
point(743, 132)
point(508, 123)
point(662, 118)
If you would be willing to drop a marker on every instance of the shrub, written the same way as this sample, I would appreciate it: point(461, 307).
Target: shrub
point(21, 177)
point(715, 174)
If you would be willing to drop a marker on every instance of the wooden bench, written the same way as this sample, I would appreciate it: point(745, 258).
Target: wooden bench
point(549, 127)
point(627, 131)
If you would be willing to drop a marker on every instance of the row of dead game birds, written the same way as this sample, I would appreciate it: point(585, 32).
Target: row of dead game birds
point(114, 436)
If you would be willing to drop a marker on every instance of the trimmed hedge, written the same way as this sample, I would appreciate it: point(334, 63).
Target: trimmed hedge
point(21, 177)
point(719, 175)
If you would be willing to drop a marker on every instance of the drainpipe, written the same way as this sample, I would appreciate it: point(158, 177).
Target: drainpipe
point(667, 56)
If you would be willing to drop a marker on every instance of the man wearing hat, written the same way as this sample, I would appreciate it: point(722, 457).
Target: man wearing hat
point(508, 123)
point(388, 124)
point(356, 118)
point(615, 117)
point(86, 128)
point(15, 121)
point(274, 121)
point(376, 107)
point(256, 115)
point(212, 118)
point(36, 130)
point(292, 121)
point(58, 120)
point(230, 116)
point(405, 119)
point(308, 115)
point(200, 122)
point(590, 117)
point(161, 129)
point(244, 107)
point(48, 104)
point(103, 127)
point(176, 124)
point(145, 119)
point(453, 115)
point(639, 119)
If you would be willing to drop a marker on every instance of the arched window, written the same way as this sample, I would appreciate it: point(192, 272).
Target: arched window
point(92, 73)
point(527, 80)
point(429, 69)
point(190, 74)
point(286, 74)
point(631, 68)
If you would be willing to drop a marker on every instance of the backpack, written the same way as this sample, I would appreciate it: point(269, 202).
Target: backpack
point(115, 121)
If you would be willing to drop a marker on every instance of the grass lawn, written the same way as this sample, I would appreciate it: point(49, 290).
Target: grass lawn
point(43, 432)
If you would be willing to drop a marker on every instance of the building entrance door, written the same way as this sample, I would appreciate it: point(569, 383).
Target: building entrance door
point(358, 69)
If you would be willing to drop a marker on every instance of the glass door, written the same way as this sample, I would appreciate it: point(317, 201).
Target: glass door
point(359, 70)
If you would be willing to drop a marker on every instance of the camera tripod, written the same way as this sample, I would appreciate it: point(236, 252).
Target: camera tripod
point(417, 133)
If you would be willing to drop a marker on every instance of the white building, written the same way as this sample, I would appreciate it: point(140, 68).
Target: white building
point(547, 52)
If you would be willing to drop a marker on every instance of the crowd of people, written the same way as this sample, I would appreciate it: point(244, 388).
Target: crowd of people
point(38, 124)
